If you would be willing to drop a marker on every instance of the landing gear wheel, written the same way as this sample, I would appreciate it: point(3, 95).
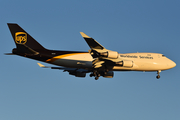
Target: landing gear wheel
point(96, 78)
point(158, 76)
point(91, 75)
point(106, 71)
point(158, 72)
point(98, 75)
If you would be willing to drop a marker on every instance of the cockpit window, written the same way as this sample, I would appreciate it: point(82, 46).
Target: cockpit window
point(163, 55)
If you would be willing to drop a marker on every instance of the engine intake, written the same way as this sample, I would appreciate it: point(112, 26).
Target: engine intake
point(110, 54)
point(125, 63)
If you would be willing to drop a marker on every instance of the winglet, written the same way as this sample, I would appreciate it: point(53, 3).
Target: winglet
point(84, 35)
point(93, 44)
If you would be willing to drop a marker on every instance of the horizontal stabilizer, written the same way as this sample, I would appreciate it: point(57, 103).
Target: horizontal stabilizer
point(9, 54)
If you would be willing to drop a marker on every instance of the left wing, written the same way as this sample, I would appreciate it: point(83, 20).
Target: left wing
point(99, 52)
point(93, 44)
point(72, 71)
point(104, 59)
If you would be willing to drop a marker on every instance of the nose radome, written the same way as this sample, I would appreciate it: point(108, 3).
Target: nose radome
point(172, 64)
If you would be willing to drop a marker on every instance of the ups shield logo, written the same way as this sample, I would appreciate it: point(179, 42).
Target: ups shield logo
point(20, 37)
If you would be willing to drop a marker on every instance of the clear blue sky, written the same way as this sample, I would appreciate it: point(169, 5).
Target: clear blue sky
point(28, 92)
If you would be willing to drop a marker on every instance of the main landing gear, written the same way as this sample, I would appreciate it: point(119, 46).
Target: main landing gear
point(96, 74)
point(158, 72)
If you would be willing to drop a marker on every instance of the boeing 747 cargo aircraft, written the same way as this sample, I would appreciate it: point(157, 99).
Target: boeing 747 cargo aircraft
point(98, 61)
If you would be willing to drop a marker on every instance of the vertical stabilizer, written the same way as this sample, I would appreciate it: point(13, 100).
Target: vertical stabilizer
point(21, 37)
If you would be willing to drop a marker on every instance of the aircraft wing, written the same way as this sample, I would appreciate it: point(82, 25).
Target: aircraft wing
point(93, 44)
point(72, 71)
point(103, 57)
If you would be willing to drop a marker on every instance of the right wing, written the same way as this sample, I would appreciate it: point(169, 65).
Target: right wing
point(72, 71)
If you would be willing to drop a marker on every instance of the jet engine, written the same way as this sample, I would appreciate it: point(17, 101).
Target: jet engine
point(125, 63)
point(77, 74)
point(109, 74)
point(110, 54)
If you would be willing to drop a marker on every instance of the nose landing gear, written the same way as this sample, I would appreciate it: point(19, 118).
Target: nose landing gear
point(158, 72)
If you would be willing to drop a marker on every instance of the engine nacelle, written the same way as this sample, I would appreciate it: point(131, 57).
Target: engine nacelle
point(109, 74)
point(110, 54)
point(125, 63)
point(78, 74)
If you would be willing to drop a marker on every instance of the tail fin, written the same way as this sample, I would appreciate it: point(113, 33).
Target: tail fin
point(21, 37)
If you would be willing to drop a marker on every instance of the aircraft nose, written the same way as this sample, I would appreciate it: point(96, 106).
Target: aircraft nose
point(172, 64)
